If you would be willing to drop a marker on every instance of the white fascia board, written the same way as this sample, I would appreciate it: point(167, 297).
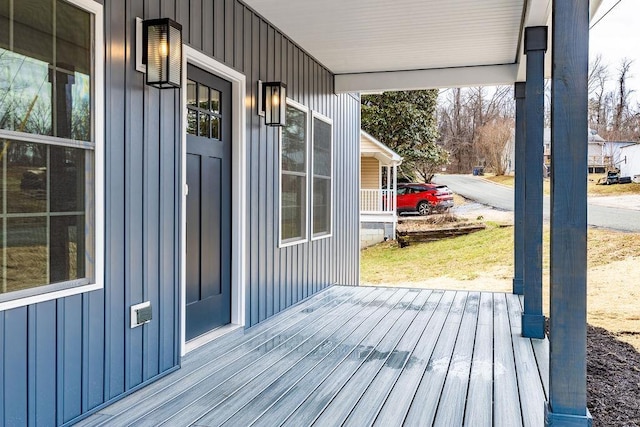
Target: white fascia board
point(391, 156)
point(539, 13)
point(485, 75)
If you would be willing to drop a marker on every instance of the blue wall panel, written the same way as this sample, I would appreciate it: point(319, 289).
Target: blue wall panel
point(15, 359)
point(42, 367)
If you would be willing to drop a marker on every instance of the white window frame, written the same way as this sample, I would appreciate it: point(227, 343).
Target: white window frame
point(329, 233)
point(60, 290)
point(292, 242)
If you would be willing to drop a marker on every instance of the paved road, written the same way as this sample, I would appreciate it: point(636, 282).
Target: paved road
point(500, 196)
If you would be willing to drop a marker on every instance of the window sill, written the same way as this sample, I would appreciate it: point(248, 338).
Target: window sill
point(18, 301)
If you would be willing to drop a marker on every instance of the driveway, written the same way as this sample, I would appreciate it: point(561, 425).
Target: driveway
point(617, 213)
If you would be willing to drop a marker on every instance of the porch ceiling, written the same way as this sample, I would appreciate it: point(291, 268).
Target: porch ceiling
point(376, 45)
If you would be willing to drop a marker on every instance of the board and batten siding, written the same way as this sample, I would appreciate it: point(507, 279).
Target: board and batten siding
point(67, 357)
point(369, 173)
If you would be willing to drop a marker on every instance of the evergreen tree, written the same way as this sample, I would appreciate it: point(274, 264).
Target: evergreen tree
point(406, 122)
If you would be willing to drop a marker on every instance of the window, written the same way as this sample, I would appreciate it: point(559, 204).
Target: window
point(203, 110)
point(322, 172)
point(293, 175)
point(50, 138)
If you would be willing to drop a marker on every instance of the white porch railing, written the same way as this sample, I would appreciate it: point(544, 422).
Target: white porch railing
point(377, 201)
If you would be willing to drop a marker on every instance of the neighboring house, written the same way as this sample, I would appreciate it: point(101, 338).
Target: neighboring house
point(378, 185)
point(613, 150)
point(138, 224)
point(599, 158)
point(629, 162)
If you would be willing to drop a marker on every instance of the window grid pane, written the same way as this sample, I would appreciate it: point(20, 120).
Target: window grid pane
point(322, 180)
point(294, 183)
point(47, 210)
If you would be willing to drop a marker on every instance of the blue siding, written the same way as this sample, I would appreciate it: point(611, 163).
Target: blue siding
point(42, 342)
point(15, 360)
point(64, 358)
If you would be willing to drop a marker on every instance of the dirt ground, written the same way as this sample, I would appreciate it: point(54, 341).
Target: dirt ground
point(613, 357)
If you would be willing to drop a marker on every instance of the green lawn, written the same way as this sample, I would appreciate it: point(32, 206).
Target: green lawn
point(459, 258)
point(592, 188)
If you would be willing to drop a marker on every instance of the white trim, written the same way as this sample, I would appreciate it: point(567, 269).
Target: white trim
point(140, 66)
point(384, 150)
point(305, 239)
point(97, 147)
point(8, 305)
point(485, 75)
point(322, 117)
point(209, 336)
point(238, 191)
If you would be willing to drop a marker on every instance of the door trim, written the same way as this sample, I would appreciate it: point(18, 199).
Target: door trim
point(238, 195)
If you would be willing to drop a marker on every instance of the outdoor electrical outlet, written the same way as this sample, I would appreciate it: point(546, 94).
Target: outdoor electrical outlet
point(141, 314)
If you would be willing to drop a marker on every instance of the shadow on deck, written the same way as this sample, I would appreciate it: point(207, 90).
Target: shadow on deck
point(358, 356)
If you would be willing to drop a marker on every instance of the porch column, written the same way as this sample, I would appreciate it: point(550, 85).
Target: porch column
point(389, 202)
point(535, 45)
point(518, 202)
point(393, 199)
point(567, 404)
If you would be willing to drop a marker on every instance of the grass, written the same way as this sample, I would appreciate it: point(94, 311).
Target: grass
point(484, 261)
point(592, 188)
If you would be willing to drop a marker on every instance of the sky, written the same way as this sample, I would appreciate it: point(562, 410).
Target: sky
point(617, 36)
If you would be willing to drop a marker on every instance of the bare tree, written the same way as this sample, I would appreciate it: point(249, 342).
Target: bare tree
point(462, 112)
point(493, 142)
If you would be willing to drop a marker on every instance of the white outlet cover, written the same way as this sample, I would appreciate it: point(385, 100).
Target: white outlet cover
point(133, 315)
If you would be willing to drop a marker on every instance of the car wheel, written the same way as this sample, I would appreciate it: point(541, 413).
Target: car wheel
point(424, 208)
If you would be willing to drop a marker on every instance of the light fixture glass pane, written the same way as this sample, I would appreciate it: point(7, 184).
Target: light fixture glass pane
point(175, 57)
point(157, 51)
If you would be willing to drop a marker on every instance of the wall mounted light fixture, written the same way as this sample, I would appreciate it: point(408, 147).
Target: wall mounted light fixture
point(162, 53)
point(272, 102)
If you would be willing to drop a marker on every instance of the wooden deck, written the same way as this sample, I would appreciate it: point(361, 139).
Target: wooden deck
point(358, 357)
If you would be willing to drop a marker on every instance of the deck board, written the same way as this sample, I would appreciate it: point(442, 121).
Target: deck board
point(371, 401)
point(505, 384)
point(479, 409)
point(343, 403)
point(425, 402)
point(529, 384)
point(358, 356)
point(453, 397)
point(401, 396)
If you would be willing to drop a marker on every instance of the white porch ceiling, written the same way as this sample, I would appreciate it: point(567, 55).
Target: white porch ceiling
point(376, 45)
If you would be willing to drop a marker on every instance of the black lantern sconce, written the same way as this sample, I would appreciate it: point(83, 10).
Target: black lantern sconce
point(272, 102)
point(162, 53)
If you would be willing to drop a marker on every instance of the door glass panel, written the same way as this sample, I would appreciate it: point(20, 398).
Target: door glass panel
point(215, 128)
point(204, 125)
point(203, 97)
point(215, 101)
point(192, 120)
point(191, 93)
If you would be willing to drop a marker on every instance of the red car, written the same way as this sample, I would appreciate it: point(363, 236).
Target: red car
point(423, 198)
